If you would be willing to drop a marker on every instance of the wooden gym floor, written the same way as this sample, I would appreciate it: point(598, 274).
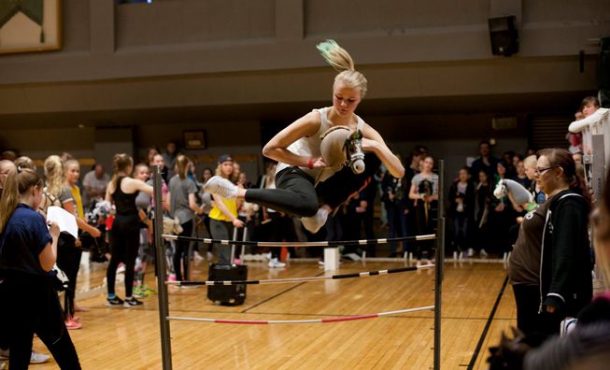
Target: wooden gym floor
point(477, 306)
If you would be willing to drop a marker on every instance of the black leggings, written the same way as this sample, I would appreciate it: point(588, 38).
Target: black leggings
point(425, 224)
point(295, 193)
point(33, 308)
point(124, 244)
point(68, 260)
point(182, 251)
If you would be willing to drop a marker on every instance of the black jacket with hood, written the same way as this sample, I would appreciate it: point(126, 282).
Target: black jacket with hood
point(565, 264)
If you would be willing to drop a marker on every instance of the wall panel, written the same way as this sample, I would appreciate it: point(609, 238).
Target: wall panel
point(391, 17)
point(187, 22)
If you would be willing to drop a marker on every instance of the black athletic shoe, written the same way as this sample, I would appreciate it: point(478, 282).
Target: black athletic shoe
point(116, 301)
point(132, 302)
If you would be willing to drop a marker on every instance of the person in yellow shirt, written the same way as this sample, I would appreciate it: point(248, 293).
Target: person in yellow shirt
point(223, 216)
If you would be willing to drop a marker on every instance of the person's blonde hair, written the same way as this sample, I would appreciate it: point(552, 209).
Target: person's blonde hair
point(530, 161)
point(25, 162)
point(54, 174)
point(70, 162)
point(7, 165)
point(218, 172)
point(17, 183)
point(342, 62)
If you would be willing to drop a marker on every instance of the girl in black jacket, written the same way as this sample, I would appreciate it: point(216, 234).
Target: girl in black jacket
point(565, 266)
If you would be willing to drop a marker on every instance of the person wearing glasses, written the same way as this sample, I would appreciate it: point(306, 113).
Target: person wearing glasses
point(550, 267)
point(565, 265)
point(585, 344)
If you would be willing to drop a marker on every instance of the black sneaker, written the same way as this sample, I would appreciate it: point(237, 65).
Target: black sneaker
point(116, 301)
point(132, 302)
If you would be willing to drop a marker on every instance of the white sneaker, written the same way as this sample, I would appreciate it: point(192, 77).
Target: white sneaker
point(221, 186)
point(352, 256)
point(483, 253)
point(209, 256)
point(470, 252)
point(275, 263)
point(38, 358)
point(314, 223)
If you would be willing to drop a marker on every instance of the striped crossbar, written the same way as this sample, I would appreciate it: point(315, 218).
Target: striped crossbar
point(328, 243)
point(300, 279)
point(306, 321)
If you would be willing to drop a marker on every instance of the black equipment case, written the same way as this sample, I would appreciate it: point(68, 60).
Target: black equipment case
point(228, 295)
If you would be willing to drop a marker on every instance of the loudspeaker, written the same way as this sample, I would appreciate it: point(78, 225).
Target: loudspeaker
point(503, 34)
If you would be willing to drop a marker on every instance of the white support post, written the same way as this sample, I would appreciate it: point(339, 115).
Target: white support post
point(331, 259)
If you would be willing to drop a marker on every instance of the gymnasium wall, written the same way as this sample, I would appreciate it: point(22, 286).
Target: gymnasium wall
point(228, 66)
point(212, 52)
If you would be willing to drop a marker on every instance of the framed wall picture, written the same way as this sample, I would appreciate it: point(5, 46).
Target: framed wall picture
point(30, 26)
point(194, 139)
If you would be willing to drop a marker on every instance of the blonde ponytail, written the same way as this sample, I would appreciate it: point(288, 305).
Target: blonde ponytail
point(342, 62)
point(54, 172)
point(336, 56)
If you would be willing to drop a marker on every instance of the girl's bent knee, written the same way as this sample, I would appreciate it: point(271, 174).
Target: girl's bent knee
point(308, 210)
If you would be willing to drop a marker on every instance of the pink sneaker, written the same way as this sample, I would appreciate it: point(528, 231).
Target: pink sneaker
point(171, 277)
point(72, 324)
